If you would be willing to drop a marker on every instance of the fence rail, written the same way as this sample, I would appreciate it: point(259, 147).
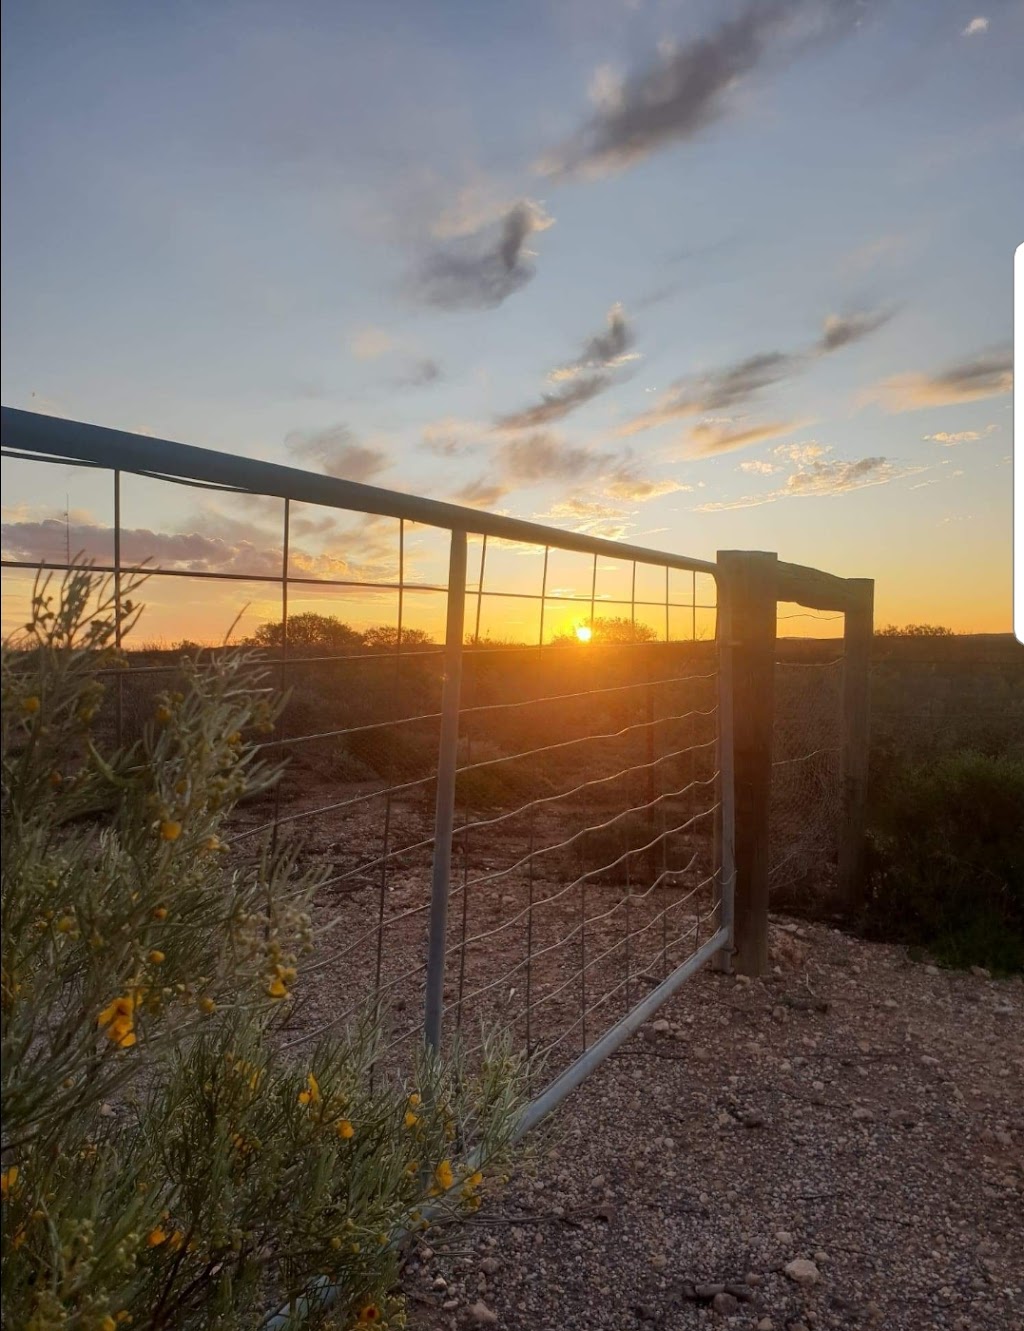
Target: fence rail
point(549, 834)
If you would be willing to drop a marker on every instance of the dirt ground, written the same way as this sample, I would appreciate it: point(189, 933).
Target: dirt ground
point(856, 1112)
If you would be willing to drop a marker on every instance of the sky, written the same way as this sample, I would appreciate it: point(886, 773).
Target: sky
point(697, 275)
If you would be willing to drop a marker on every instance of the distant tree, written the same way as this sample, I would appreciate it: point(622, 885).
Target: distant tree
point(308, 630)
point(384, 638)
point(614, 629)
point(915, 631)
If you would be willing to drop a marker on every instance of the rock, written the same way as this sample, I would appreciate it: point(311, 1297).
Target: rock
point(598, 1181)
point(707, 1291)
point(753, 1279)
point(981, 972)
point(821, 1257)
point(661, 1027)
point(439, 1282)
point(753, 1119)
point(659, 1261)
point(725, 1304)
point(863, 1114)
point(490, 1266)
point(931, 970)
point(784, 1236)
point(929, 1061)
point(802, 1271)
point(482, 1315)
point(766, 1324)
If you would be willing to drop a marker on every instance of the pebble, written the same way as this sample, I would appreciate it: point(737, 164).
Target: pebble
point(784, 1236)
point(725, 1304)
point(863, 1114)
point(490, 1266)
point(482, 1315)
point(802, 1271)
point(766, 1324)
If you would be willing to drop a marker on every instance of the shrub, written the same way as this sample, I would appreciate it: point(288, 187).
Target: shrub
point(947, 859)
point(166, 1161)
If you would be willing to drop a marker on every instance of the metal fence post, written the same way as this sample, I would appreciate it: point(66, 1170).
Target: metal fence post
point(725, 814)
point(751, 577)
point(444, 815)
point(857, 638)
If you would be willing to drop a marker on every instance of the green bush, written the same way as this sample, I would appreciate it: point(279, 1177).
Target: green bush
point(946, 859)
point(166, 1161)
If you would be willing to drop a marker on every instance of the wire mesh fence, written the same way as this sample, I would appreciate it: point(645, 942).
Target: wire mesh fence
point(807, 762)
point(532, 744)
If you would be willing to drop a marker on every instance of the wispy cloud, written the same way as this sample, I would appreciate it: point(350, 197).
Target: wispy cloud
point(452, 436)
point(976, 27)
point(737, 384)
point(687, 88)
point(337, 452)
point(959, 436)
point(628, 483)
point(543, 457)
point(820, 478)
point(489, 264)
point(724, 436)
point(481, 493)
point(581, 379)
point(969, 381)
point(759, 467)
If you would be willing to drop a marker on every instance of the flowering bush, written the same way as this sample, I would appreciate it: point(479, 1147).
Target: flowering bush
point(164, 1164)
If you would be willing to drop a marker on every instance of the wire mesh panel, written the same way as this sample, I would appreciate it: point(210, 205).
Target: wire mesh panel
point(576, 763)
point(806, 787)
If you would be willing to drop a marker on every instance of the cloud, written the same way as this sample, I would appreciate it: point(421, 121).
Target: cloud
point(986, 376)
point(481, 493)
point(759, 468)
point(806, 452)
point(841, 330)
point(820, 479)
point(975, 27)
point(687, 88)
point(959, 436)
point(557, 405)
point(712, 437)
point(579, 380)
point(574, 507)
point(370, 343)
point(542, 457)
point(606, 350)
point(481, 273)
point(451, 436)
point(736, 384)
point(337, 452)
point(716, 390)
point(628, 484)
point(420, 373)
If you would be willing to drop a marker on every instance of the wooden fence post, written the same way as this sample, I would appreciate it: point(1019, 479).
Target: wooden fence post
point(751, 582)
point(857, 638)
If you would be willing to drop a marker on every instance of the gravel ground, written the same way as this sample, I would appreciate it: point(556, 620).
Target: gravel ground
point(837, 1145)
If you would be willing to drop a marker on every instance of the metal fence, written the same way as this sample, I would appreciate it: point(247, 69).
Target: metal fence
point(519, 775)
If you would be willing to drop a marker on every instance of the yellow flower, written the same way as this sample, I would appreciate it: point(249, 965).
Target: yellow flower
point(56, 780)
point(344, 1129)
point(276, 988)
point(157, 1236)
point(235, 737)
point(475, 1179)
point(8, 1180)
point(444, 1175)
point(163, 714)
point(176, 1239)
point(415, 1100)
point(170, 830)
point(207, 1005)
point(108, 1324)
point(410, 1119)
point(65, 924)
point(335, 1242)
point(30, 705)
point(369, 1313)
point(310, 1096)
point(159, 912)
point(213, 843)
point(118, 1019)
point(157, 957)
point(412, 1167)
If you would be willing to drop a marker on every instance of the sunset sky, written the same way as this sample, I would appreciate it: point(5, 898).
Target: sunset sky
point(698, 275)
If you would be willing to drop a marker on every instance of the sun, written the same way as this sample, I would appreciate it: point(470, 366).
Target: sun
point(584, 632)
